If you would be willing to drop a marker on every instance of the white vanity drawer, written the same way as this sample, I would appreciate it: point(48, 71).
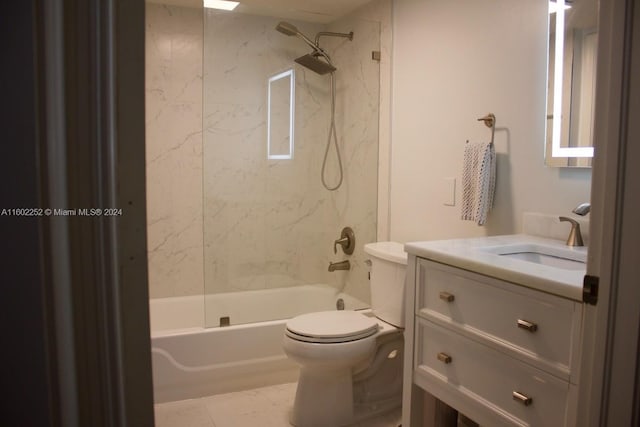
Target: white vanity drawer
point(457, 367)
point(527, 323)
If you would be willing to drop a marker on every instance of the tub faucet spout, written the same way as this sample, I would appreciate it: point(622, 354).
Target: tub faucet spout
point(342, 265)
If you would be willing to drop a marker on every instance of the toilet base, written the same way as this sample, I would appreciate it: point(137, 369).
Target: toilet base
point(336, 397)
point(332, 407)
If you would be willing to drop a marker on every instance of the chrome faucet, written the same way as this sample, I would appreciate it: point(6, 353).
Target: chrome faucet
point(342, 265)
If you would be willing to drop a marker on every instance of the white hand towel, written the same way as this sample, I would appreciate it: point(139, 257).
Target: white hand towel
point(478, 181)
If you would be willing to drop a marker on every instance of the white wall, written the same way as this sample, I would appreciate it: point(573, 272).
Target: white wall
point(452, 63)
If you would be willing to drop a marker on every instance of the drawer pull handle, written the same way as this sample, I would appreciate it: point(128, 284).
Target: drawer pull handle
point(529, 326)
point(444, 357)
point(524, 399)
point(446, 296)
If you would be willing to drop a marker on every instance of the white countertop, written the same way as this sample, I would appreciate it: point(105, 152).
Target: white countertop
point(475, 255)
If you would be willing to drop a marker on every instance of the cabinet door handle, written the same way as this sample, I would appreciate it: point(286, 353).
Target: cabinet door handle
point(444, 358)
point(446, 296)
point(529, 326)
point(522, 398)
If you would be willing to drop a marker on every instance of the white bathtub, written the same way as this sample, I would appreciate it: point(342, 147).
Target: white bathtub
point(191, 361)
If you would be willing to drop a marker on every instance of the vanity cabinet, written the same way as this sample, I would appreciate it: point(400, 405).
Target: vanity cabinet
point(499, 352)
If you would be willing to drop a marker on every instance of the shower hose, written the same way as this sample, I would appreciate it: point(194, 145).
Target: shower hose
point(333, 136)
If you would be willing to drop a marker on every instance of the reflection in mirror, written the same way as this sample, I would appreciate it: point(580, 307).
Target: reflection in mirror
point(280, 115)
point(571, 82)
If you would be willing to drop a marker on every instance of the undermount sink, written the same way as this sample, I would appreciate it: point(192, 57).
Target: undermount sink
point(564, 258)
point(544, 259)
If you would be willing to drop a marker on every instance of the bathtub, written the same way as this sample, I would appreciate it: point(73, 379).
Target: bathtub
point(191, 361)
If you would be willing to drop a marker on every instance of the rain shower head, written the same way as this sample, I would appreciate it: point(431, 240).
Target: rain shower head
point(312, 62)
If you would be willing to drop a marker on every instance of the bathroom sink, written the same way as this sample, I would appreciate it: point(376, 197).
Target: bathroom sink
point(564, 258)
point(544, 259)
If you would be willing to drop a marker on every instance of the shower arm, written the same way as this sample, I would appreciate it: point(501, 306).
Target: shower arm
point(332, 34)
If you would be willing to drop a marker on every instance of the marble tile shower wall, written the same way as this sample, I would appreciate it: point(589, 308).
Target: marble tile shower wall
point(174, 150)
point(270, 223)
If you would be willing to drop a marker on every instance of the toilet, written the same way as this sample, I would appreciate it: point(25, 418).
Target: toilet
point(351, 361)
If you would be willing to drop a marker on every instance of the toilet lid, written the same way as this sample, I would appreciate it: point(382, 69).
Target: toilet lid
point(331, 326)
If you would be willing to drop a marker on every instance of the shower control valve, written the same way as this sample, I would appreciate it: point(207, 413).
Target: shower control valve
point(347, 240)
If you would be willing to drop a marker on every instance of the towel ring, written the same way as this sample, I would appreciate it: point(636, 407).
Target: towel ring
point(490, 122)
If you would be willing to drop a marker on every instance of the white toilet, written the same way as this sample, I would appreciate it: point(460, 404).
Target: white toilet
point(351, 361)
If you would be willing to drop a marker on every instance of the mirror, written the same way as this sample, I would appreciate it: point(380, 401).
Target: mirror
point(573, 38)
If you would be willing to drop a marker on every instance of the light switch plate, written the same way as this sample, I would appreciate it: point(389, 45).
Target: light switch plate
point(449, 193)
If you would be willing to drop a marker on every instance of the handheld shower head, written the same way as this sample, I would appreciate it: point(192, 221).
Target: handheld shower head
point(291, 30)
point(287, 28)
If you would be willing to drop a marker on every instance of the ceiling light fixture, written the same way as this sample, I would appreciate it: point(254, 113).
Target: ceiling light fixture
point(220, 4)
point(553, 7)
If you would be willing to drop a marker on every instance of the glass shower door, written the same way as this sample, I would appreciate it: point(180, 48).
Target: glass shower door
point(269, 224)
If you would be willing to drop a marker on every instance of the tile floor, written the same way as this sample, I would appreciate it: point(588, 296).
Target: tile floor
point(263, 407)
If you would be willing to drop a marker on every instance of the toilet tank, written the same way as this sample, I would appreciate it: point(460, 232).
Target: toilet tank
point(388, 269)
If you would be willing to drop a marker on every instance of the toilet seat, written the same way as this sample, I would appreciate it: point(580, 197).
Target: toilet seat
point(336, 326)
